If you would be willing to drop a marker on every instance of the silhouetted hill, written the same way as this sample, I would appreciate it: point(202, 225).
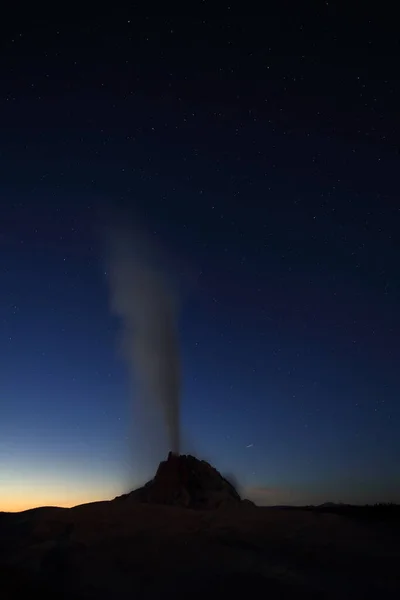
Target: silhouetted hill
point(147, 545)
point(183, 480)
point(120, 549)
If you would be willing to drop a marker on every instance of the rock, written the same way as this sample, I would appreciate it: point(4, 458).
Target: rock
point(183, 480)
point(248, 503)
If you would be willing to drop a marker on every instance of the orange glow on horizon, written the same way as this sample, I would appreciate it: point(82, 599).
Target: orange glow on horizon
point(24, 491)
point(21, 504)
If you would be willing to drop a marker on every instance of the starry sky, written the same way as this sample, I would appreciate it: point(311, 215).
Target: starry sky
point(261, 154)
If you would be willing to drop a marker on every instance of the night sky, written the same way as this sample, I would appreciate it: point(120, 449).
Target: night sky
point(261, 154)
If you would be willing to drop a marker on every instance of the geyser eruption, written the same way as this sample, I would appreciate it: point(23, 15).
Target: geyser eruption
point(146, 306)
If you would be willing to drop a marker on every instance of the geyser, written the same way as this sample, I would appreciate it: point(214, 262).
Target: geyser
point(143, 299)
point(186, 481)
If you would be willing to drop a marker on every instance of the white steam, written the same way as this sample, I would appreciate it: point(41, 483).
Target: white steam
point(146, 307)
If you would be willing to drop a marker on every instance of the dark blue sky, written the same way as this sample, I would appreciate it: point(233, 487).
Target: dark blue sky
point(263, 158)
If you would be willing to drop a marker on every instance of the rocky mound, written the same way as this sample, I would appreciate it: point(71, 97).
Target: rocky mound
point(183, 480)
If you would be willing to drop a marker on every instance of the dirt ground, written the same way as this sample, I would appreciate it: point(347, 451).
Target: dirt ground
point(118, 550)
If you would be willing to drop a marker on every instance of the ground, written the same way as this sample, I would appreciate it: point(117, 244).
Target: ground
point(120, 550)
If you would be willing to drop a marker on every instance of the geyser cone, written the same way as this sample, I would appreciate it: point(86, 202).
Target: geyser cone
point(183, 480)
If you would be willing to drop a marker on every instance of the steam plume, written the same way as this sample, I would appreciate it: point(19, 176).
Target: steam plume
point(142, 298)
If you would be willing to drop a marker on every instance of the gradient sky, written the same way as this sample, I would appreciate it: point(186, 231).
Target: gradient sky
point(262, 155)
